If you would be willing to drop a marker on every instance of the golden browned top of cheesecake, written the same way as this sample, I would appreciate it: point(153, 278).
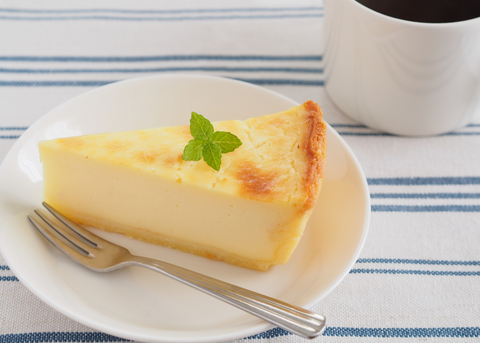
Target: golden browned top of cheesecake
point(281, 159)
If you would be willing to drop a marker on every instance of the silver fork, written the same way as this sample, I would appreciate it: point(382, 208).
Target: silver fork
point(100, 255)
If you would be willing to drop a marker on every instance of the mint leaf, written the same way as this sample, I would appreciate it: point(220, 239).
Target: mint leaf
point(193, 150)
point(212, 154)
point(226, 141)
point(200, 127)
point(208, 144)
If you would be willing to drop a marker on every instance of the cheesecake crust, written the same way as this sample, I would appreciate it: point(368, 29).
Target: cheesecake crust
point(161, 240)
point(316, 152)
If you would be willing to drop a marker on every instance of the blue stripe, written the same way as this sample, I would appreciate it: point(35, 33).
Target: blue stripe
point(54, 83)
point(103, 59)
point(230, 17)
point(281, 82)
point(349, 126)
point(423, 262)
point(198, 10)
point(12, 128)
point(275, 332)
point(9, 136)
point(39, 337)
point(4, 267)
point(425, 181)
point(93, 337)
point(154, 70)
point(425, 195)
point(8, 278)
point(413, 272)
point(359, 126)
point(97, 83)
point(455, 332)
point(366, 134)
point(460, 134)
point(426, 208)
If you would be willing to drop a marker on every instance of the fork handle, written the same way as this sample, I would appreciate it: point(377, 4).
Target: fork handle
point(294, 319)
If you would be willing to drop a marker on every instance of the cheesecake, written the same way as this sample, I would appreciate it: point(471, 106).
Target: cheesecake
point(251, 213)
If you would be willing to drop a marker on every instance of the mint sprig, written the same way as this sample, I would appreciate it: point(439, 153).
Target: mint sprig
point(208, 143)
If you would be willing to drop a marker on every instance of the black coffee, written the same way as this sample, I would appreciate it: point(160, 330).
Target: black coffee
point(426, 11)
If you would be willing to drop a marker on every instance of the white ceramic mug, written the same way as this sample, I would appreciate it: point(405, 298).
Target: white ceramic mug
point(399, 76)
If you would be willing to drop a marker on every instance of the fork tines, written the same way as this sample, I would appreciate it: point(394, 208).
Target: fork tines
point(65, 235)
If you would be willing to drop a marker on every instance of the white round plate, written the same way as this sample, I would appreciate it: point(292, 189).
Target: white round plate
point(135, 303)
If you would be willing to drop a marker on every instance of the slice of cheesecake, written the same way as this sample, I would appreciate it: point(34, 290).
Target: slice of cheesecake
point(251, 213)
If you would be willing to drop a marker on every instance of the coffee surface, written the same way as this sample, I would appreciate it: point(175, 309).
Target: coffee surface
point(427, 11)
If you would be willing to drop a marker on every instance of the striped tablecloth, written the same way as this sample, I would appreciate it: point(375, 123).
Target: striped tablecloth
point(418, 277)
